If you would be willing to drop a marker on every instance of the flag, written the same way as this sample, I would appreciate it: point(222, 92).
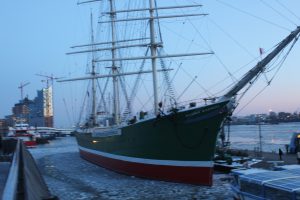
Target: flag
point(261, 51)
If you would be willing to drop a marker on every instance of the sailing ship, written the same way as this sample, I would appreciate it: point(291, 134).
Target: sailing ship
point(175, 144)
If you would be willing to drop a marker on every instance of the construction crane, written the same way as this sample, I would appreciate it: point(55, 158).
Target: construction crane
point(48, 78)
point(21, 87)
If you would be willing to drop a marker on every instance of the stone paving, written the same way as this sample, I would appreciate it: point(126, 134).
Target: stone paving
point(271, 158)
point(70, 177)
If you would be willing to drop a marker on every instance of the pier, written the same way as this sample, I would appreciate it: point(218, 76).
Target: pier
point(271, 159)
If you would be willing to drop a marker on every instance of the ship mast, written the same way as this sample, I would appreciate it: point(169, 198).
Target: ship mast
point(116, 44)
point(153, 48)
point(114, 67)
point(261, 66)
point(93, 74)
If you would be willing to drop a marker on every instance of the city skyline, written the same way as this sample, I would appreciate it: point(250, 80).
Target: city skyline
point(36, 35)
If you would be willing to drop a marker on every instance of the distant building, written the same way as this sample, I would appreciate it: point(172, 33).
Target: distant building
point(48, 106)
point(37, 112)
point(250, 119)
point(3, 126)
point(21, 110)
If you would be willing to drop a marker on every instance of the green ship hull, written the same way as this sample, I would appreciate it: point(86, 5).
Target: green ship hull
point(176, 147)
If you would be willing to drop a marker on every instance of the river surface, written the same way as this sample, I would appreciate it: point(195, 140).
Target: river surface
point(274, 136)
point(70, 177)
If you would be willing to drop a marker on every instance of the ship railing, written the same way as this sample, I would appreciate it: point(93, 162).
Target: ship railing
point(175, 107)
point(191, 104)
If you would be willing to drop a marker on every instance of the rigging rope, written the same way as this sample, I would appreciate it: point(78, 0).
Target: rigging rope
point(158, 21)
point(218, 58)
point(67, 110)
point(102, 99)
point(279, 67)
point(202, 87)
point(179, 65)
point(166, 75)
point(187, 87)
point(230, 37)
point(135, 86)
point(254, 16)
point(280, 14)
point(287, 9)
point(82, 107)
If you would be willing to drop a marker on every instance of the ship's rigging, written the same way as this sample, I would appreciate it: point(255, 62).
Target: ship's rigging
point(118, 58)
point(154, 52)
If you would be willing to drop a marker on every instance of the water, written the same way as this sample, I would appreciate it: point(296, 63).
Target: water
point(274, 136)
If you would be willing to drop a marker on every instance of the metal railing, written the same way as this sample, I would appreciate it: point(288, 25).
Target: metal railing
point(11, 186)
point(24, 180)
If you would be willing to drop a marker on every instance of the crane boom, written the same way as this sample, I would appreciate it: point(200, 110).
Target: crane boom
point(21, 87)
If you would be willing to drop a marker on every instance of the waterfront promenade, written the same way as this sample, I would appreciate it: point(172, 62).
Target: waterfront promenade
point(272, 158)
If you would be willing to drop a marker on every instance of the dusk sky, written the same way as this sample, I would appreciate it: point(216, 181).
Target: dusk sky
point(36, 35)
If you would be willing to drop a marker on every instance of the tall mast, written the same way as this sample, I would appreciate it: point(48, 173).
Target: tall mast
point(93, 73)
point(114, 67)
point(261, 66)
point(116, 44)
point(153, 48)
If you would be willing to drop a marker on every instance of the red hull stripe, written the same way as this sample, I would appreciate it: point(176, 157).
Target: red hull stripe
point(30, 143)
point(183, 174)
point(150, 161)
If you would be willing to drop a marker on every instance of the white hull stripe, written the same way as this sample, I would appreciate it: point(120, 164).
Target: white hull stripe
point(150, 161)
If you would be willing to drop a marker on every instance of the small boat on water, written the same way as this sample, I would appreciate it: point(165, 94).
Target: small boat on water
point(22, 131)
point(46, 133)
point(32, 136)
point(265, 184)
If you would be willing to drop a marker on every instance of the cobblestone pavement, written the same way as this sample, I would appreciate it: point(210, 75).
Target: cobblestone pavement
point(70, 177)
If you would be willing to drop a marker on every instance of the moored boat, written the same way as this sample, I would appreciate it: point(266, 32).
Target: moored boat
point(173, 143)
point(46, 133)
point(167, 148)
point(265, 184)
point(21, 131)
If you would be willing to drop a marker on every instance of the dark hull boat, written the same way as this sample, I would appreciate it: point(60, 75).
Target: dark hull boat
point(177, 145)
